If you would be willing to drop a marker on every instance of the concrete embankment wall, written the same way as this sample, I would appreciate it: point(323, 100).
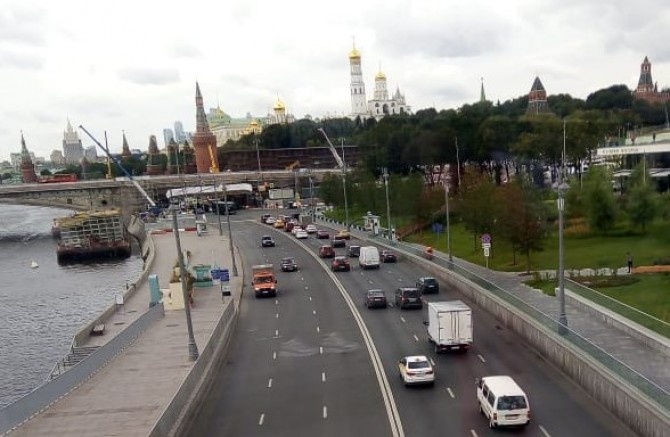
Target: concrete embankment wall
point(641, 414)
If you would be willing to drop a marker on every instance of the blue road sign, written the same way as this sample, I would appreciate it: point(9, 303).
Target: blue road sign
point(438, 228)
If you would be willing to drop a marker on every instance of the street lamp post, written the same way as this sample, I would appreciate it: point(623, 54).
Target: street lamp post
point(230, 234)
point(446, 207)
point(218, 213)
point(192, 346)
point(458, 165)
point(388, 205)
point(562, 186)
point(260, 171)
point(311, 197)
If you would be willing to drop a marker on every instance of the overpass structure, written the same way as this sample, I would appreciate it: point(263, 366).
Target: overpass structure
point(121, 193)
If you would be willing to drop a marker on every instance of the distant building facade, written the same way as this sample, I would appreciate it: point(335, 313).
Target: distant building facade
point(537, 99)
point(73, 151)
point(224, 127)
point(168, 136)
point(91, 154)
point(646, 88)
point(57, 157)
point(179, 134)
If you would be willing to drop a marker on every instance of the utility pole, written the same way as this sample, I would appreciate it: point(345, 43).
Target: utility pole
point(562, 317)
point(230, 233)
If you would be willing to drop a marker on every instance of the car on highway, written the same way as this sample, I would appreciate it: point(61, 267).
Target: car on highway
point(322, 234)
point(428, 285)
point(340, 264)
point(267, 241)
point(375, 299)
point(354, 251)
point(502, 401)
point(270, 220)
point(301, 234)
point(311, 228)
point(289, 265)
point(296, 228)
point(279, 224)
point(342, 235)
point(416, 369)
point(264, 218)
point(338, 243)
point(326, 252)
point(388, 257)
point(408, 297)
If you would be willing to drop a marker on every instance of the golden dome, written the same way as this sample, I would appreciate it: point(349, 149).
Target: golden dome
point(279, 106)
point(254, 122)
point(380, 76)
point(354, 54)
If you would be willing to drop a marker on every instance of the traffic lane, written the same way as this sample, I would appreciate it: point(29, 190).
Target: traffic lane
point(499, 351)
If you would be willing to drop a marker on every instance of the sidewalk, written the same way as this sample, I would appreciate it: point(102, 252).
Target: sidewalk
point(128, 395)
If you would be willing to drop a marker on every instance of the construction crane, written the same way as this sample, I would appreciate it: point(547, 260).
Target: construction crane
point(341, 165)
point(109, 155)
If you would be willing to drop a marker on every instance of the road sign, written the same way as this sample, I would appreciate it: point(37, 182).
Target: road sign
point(487, 251)
point(486, 239)
point(438, 228)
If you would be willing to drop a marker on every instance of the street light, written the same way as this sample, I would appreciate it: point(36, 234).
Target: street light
point(446, 203)
point(458, 164)
point(230, 234)
point(260, 171)
point(192, 346)
point(311, 195)
point(388, 205)
point(561, 187)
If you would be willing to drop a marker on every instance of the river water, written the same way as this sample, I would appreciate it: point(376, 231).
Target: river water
point(42, 308)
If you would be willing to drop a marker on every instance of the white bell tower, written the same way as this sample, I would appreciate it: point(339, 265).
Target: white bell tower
point(359, 105)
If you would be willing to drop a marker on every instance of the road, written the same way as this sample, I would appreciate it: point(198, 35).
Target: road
point(299, 365)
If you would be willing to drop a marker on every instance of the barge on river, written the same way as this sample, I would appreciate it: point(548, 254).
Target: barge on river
point(99, 234)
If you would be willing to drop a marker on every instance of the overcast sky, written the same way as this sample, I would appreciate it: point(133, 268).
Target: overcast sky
point(132, 65)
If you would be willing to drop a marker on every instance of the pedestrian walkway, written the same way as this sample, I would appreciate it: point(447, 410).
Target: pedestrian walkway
point(128, 395)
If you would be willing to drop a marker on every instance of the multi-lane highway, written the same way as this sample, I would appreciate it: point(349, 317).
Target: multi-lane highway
point(314, 361)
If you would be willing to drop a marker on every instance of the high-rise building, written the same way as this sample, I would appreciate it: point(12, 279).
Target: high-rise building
point(179, 134)
point(537, 99)
point(72, 148)
point(168, 135)
point(204, 141)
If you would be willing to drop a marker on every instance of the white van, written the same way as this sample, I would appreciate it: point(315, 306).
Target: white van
point(502, 401)
point(369, 257)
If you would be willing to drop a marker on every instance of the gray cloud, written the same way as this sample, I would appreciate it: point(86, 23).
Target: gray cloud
point(184, 50)
point(22, 24)
point(149, 76)
point(21, 59)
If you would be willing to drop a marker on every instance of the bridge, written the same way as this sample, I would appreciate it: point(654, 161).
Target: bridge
point(121, 193)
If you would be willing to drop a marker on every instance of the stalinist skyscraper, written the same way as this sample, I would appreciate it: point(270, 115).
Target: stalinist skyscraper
point(204, 141)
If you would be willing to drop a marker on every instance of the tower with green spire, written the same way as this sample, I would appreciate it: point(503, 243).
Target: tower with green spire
point(482, 94)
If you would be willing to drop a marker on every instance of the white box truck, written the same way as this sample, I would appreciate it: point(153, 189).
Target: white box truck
point(449, 325)
point(368, 258)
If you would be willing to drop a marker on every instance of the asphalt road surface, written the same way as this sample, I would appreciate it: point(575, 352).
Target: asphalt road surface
point(300, 364)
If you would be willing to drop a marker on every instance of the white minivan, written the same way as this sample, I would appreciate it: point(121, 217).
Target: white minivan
point(502, 401)
point(369, 257)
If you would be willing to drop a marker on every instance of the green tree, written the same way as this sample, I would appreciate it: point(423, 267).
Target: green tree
point(45, 172)
point(601, 208)
point(642, 203)
point(476, 204)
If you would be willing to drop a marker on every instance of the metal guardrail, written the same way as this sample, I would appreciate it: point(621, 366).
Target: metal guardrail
point(660, 326)
point(18, 412)
point(646, 386)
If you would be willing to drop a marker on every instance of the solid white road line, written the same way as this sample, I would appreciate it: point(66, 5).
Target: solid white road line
point(474, 434)
point(451, 393)
point(402, 319)
point(481, 358)
point(325, 412)
point(323, 376)
point(260, 421)
point(270, 383)
point(544, 431)
point(416, 338)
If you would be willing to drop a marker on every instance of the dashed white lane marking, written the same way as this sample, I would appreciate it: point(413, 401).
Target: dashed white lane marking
point(321, 350)
point(402, 319)
point(399, 279)
point(276, 301)
point(310, 298)
point(416, 338)
point(274, 355)
point(323, 376)
point(325, 412)
point(317, 329)
point(314, 312)
point(277, 315)
point(276, 332)
point(544, 431)
point(262, 418)
point(432, 363)
point(270, 383)
point(451, 393)
point(306, 287)
point(474, 434)
point(481, 358)
point(370, 281)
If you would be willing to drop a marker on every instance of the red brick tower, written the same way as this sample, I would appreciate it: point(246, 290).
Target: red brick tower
point(126, 153)
point(154, 166)
point(27, 166)
point(537, 99)
point(204, 141)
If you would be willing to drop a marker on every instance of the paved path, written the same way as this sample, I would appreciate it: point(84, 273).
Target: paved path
point(127, 397)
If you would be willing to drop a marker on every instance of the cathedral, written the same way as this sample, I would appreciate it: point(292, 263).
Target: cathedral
point(381, 104)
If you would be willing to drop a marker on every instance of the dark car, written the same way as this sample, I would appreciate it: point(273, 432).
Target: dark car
point(326, 252)
point(339, 243)
point(388, 257)
point(289, 265)
point(267, 241)
point(354, 251)
point(322, 234)
point(375, 299)
point(428, 285)
point(408, 297)
point(340, 264)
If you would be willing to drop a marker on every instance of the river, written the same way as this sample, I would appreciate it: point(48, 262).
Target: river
point(42, 308)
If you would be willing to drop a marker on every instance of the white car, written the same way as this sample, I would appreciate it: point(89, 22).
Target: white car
point(296, 228)
point(311, 229)
point(301, 234)
point(416, 369)
point(270, 220)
